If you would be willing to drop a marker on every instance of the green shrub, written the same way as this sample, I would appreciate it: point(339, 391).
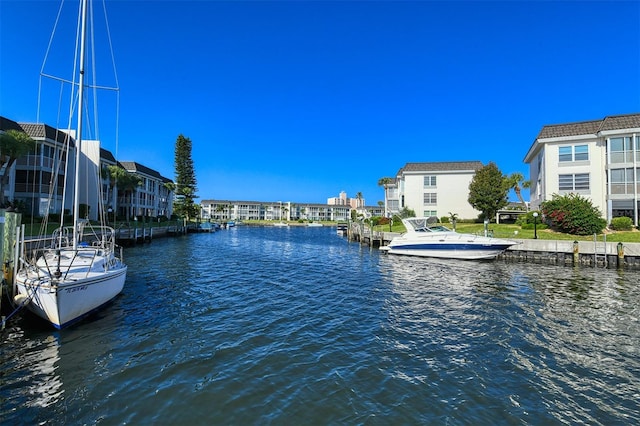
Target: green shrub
point(622, 223)
point(528, 218)
point(573, 214)
point(383, 221)
point(445, 219)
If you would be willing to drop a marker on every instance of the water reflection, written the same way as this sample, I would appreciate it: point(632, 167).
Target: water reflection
point(562, 342)
point(31, 372)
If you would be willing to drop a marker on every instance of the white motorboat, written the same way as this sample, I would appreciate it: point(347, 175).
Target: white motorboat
point(67, 275)
point(426, 238)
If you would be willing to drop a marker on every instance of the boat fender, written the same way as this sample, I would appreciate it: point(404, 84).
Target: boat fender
point(7, 272)
point(21, 299)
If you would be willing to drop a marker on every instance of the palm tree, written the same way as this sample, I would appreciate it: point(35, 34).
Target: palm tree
point(385, 182)
point(114, 175)
point(283, 209)
point(13, 145)
point(220, 208)
point(359, 198)
point(129, 183)
point(516, 182)
point(454, 219)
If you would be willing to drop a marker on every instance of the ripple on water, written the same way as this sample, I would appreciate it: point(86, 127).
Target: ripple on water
point(267, 325)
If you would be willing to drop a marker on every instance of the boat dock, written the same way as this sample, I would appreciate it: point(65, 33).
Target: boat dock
point(127, 235)
point(596, 253)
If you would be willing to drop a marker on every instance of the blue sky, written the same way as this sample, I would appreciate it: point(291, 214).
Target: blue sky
point(299, 100)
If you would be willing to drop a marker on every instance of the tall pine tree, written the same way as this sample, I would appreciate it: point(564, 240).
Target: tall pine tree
point(184, 204)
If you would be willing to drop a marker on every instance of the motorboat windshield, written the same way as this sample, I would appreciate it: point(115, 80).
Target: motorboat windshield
point(424, 224)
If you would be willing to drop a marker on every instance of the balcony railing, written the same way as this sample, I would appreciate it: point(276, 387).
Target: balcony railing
point(36, 160)
point(623, 157)
point(624, 188)
point(28, 188)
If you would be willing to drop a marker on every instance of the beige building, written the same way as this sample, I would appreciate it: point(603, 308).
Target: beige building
point(343, 200)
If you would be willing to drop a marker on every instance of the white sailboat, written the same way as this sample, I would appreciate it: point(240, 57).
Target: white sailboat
point(77, 270)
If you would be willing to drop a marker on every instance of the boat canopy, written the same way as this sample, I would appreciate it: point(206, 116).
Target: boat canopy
point(424, 224)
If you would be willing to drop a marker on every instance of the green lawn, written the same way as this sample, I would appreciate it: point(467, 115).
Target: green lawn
point(514, 231)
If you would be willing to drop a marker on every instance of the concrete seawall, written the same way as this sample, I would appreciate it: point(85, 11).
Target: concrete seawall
point(589, 253)
point(597, 253)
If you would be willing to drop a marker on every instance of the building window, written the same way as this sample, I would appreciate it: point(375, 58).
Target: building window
point(622, 181)
point(576, 182)
point(430, 198)
point(429, 213)
point(621, 150)
point(573, 153)
point(581, 153)
point(429, 181)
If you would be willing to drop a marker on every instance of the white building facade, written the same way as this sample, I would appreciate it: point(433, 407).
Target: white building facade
point(221, 210)
point(433, 189)
point(151, 199)
point(40, 175)
point(597, 159)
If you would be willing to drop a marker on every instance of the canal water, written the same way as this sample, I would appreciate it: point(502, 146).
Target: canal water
point(267, 325)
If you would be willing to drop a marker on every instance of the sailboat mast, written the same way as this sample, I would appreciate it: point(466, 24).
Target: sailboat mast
point(76, 192)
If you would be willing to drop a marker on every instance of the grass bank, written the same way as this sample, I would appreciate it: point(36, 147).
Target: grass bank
point(514, 231)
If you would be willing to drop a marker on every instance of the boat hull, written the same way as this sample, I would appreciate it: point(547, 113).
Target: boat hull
point(66, 302)
point(449, 251)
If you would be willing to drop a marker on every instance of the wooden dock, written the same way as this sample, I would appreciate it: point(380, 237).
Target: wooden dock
point(129, 236)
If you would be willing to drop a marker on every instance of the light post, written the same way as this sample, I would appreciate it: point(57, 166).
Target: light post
point(535, 225)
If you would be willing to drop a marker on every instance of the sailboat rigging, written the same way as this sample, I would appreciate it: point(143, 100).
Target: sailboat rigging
point(76, 270)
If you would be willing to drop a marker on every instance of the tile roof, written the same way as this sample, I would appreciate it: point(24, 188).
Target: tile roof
point(6, 124)
point(44, 131)
point(629, 121)
point(273, 203)
point(441, 166)
point(132, 166)
point(614, 122)
point(107, 155)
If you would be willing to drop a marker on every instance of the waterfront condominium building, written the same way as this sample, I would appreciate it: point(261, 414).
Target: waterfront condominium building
point(152, 198)
point(597, 159)
point(433, 189)
point(34, 177)
point(220, 210)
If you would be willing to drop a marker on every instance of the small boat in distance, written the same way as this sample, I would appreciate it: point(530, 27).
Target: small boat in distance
point(281, 224)
point(314, 224)
point(426, 238)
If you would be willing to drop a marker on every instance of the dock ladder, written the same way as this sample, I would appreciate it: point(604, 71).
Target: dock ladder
point(600, 255)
